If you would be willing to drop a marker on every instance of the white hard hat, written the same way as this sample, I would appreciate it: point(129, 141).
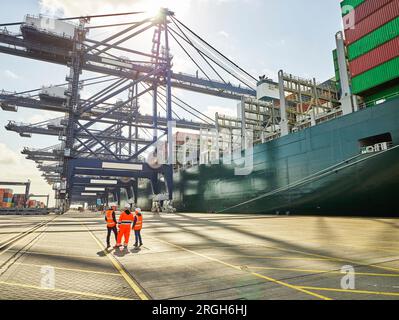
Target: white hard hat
point(138, 210)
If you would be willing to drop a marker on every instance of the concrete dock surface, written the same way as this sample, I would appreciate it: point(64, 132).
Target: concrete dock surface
point(201, 256)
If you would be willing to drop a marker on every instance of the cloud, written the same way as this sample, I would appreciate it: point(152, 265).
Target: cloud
point(79, 7)
point(14, 167)
point(224, 34)
point(275, 44)
point(11, 75)
point(73, 7)
point(41, 116)
point(7, 156)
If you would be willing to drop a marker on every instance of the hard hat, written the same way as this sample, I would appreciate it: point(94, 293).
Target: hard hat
point(138, 210)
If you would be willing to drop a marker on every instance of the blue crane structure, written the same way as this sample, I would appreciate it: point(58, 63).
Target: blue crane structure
point(101, 149)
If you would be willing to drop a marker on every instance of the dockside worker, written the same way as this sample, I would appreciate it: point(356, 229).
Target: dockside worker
point(125, 225)
point(110, 219)
point(137, 226)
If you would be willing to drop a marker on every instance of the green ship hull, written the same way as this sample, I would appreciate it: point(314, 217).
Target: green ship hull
point(317, 171)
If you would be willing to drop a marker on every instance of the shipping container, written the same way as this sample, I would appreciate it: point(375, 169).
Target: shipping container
point(2, 191)
point(57, 27)
point(55, 92)
point(6, 196)
point(366, 8)
point(374, 39)
point(18, 200)
point(348, 5)
point(374, 58)
point(377, 76)
point(377, 19)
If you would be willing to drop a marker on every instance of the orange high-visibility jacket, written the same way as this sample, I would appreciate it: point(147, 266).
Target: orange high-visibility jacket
point(125, 219)
point(139, 223)
point(110, 219)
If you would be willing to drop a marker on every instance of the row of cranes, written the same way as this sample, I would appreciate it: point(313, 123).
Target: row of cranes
point(105, 139)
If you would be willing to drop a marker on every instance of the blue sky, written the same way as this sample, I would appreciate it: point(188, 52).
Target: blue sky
point(262, 36)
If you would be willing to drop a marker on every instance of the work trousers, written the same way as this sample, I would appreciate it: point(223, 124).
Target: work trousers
point(124, 231)
point(137, 234)
point(109, 230)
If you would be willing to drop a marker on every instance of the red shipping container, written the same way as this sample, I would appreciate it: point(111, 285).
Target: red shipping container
point(367, 8)
point(374, 58)
point(373, 22)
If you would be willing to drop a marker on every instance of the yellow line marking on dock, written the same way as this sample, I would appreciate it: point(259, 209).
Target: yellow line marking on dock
point(86, 294)
point(325, 271)
point(132, 283)
point(238, 268)
point(70, 269)
point(351, 291)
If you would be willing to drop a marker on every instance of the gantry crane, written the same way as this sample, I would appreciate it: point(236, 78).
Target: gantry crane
point(115, 151)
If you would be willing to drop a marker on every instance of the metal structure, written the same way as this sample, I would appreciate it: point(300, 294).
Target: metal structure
point(26, 184)
point(348, 101)
point(105, 138)
point(302, 103)
point(305, 103)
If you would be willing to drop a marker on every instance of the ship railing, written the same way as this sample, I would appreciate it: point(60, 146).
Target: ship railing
point(378, 101)
point(272, 137)
point(329, 116)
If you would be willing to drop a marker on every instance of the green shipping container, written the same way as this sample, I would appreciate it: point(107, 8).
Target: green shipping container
point(377, 76)
point(383, 94)
point(350, 3)
point(374, 39)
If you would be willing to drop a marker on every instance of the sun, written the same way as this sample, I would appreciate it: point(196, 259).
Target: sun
point(153, 7)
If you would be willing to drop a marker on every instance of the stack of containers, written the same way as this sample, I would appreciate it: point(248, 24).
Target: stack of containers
point(18, 200)
point(5, 198)
point(373, 47)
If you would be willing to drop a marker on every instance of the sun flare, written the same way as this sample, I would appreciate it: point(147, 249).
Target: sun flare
point(153, 7)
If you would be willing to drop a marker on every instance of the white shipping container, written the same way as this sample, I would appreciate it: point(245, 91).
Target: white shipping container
point(55, 122)
point(267, 90)
point(56, 92)
point(57, 27)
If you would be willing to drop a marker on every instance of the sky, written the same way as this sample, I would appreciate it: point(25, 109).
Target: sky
point(261, 36)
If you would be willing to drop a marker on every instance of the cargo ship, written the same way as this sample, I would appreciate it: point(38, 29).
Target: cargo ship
point(348, 165)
